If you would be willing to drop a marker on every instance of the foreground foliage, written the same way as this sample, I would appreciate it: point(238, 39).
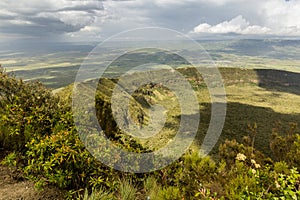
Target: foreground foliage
point(37, 128)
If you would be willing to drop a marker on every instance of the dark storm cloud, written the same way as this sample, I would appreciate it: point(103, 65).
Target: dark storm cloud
point(43, 18)
point(39, 31)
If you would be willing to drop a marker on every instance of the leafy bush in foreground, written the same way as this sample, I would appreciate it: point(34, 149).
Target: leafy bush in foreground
point(286, 147)
point(26, 109)
point(60, 159)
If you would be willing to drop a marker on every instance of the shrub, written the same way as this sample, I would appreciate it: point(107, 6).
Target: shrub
point(288, 185)
point(286, 147)
point(229, 150)
point(96, 195)
point(61, 159)
point(151, 187)
point(193, 172)
point(241, 179)
point(170, 193)
point(26, 109)
point(126, 190)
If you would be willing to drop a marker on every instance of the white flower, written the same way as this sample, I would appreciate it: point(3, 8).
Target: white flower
point(253, 161)
point(257, 166)
point(241, 157)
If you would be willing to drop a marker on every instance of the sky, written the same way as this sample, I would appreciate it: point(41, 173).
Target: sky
point(91, 20)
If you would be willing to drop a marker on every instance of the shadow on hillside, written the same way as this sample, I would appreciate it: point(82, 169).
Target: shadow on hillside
point(278, 80)
point(238, 117)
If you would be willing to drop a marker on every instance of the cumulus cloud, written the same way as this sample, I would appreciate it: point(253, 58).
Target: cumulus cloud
point(276, 17)
point(237, 25)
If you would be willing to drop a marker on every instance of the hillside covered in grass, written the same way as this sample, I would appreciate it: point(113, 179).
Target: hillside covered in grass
point(261, 97)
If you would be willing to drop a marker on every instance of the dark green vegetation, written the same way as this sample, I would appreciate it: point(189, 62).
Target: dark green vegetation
point(257, 156)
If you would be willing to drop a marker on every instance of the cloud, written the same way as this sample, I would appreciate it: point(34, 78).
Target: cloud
point(93, 18)
point(43, 18)
point(282, 16)
point(186, 2)
point(273, 17)
point(237, 25)
point(64, 17)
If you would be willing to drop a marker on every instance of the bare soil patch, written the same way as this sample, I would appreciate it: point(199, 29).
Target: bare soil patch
point(13, 186)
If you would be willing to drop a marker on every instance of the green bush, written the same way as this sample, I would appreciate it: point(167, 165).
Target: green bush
point(151, 188)
point(194, 172)
point(288, 185)
point(242, 181)
point(26, 109)
point(99, 194)
point(127, 190)
point(170, 193)
point(61, 159)
point(286, 147)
